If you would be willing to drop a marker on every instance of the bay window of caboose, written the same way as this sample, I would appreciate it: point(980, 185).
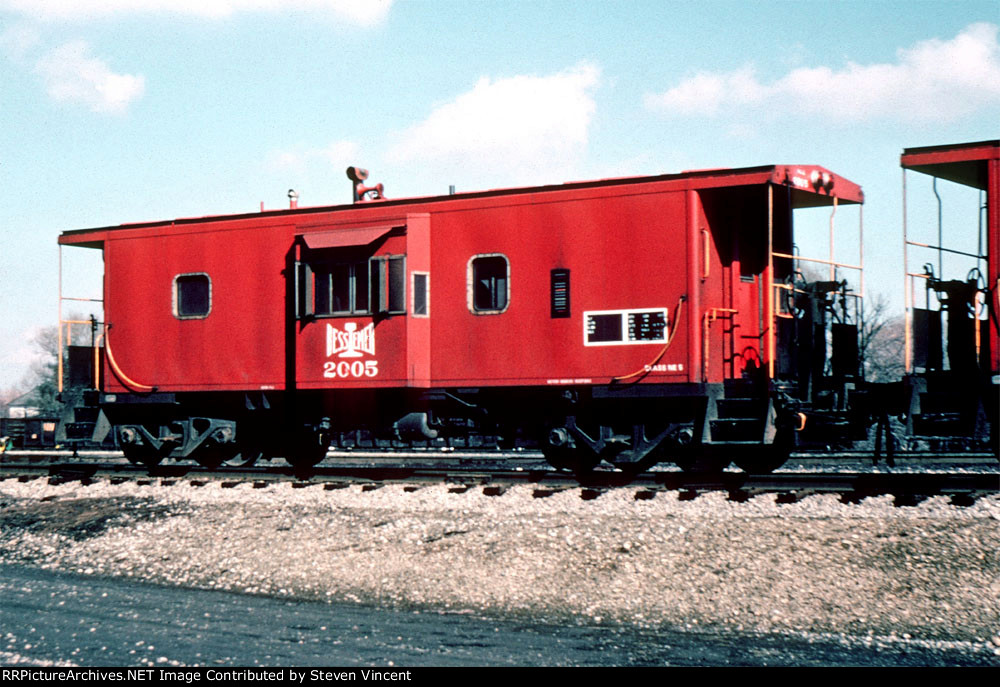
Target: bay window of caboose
point(488, 284)
point(370, 286)
point(341, 289)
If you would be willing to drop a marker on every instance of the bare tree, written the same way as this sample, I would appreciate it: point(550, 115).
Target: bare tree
point(881, 341)
point(43, 378)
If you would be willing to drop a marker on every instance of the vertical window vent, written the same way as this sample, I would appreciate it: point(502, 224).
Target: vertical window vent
point(560, 293)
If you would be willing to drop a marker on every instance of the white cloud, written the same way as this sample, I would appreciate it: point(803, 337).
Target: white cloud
point(522, 127)
point(17, 41)
point(71, 74)
point(362, 12)
point(933, 80)
point(338, 154)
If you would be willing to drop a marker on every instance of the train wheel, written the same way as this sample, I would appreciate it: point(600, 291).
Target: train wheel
point(570, 458)
point(246, 458)
point(704, 461)
point(250, 451)
point(764, 459)
point(309, 445)
point(306, 458)
point(142, 455)
point(214, 456)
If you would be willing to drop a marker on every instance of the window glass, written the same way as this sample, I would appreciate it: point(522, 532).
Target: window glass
point(341, 289)
point(322, 289)
point(374, 285)
point(359, 283)
point(192, 295)
point(397, 285)
point(489, 283)
point(420, 302)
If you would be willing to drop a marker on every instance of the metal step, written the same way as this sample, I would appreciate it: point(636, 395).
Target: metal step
point(740, 408)
point(737, 429)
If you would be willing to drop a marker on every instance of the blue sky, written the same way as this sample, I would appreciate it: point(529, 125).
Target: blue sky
point(116, 111)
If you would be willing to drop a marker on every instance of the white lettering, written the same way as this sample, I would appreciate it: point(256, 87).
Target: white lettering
point(333, 369)
point(352, 342)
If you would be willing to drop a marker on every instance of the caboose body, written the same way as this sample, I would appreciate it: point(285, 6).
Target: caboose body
point(632, 320)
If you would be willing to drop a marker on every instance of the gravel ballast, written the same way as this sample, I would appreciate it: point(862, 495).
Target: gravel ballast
point(870, 572)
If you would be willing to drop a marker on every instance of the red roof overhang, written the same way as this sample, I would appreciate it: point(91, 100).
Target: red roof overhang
point(341, 238)
point(962, 163)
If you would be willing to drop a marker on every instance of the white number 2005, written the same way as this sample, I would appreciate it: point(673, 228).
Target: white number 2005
point(368, 368)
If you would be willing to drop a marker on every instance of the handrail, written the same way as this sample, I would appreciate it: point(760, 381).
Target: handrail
point(947, 250)
point(819, 260)
point(710, 315)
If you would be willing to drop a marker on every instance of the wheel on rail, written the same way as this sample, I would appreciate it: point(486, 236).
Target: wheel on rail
point(306, 458)
point(250, 450)
point(306, 454)
point(761, 460)
point(309, 444)
point(570, 459)
point(245, 459)
point(707, 461)
point(141, 455)
point(216, 456)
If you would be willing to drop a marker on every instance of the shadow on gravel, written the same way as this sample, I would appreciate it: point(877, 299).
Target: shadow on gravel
point(78, 519)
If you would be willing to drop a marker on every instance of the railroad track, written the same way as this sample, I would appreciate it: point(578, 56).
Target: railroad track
point(907, 488)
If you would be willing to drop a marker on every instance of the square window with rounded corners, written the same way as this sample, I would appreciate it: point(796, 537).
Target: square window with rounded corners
point(488, 282)
point(192, 296)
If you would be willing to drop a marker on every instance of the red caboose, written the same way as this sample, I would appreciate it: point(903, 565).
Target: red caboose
point(952, 329)
point(632, 320)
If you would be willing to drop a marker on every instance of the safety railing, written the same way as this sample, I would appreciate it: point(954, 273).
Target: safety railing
point(911, 278)
point(774, 289)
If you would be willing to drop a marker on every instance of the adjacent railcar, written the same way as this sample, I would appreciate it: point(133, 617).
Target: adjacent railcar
point(952, 367)
point(630, 320)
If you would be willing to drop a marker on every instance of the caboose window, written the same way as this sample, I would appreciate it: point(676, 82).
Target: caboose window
point(421, 294)
point(192, 296)
point(342, 289)
point(388, 284)
point(489, 284)
point(362, 287)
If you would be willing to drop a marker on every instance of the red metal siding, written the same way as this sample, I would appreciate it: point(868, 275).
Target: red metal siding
point(622, 252)
point(237, 346)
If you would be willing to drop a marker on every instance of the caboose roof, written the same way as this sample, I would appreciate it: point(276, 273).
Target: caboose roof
point(809, 186)
point(962, 163)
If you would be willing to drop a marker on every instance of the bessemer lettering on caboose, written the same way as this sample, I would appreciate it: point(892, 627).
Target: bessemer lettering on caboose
point(351, 342)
